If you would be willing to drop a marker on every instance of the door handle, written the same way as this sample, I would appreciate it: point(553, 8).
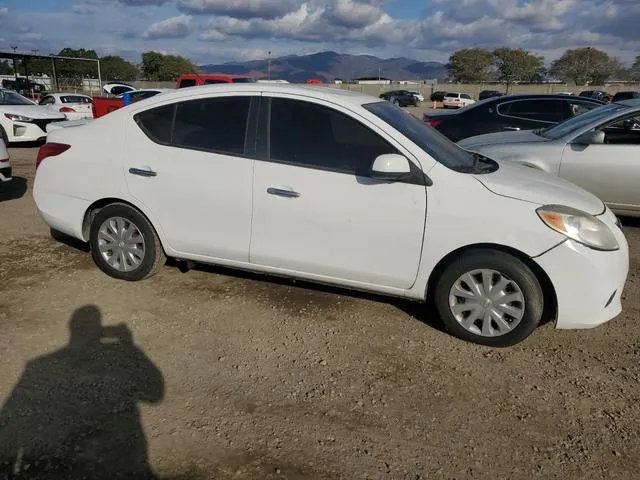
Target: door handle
point(282, 192)
point(512, 128)
point(142, 172)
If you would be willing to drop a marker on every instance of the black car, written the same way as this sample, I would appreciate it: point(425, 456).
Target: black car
point(625, 96)
point(509, 112)
point(595, 94)
point(484, 94)
point(402, 98)
point(437, 96)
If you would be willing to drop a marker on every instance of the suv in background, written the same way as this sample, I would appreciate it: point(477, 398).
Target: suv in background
point(489, 93)
point(457, 100)
point(509, 112)
point(625, 96)
point(196, 79)
point(595, 94)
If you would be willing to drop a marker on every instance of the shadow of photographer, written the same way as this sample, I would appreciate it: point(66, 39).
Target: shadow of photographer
point(74, 413)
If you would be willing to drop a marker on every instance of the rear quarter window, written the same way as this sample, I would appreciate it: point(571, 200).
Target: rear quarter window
point(187, 82)
point(157, 123)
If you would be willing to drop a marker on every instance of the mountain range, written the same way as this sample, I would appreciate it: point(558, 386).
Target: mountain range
point(328, 66)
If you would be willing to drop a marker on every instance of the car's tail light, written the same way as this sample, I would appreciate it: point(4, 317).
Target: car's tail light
point(50, 150)
point(434, 122)
point(66, 110)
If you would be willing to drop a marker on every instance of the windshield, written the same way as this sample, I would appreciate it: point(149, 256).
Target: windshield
point(12, 98)
point(576, 123)
point(424, 136)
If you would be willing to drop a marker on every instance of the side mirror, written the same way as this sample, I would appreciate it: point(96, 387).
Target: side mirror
point(390, 166)
point(592, 137)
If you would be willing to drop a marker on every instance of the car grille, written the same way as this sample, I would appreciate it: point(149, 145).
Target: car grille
point(42, 123)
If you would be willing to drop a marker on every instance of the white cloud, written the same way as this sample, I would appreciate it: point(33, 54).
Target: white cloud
point(175, 27)
point(240, 8)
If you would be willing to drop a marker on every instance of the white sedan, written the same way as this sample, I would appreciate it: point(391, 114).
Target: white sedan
point(22, 120)
point(75, 106)
point(331, 186)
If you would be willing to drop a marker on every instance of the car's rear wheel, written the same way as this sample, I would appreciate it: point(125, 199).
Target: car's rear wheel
point(124, 244)
point(489, 297)
point(396, 102)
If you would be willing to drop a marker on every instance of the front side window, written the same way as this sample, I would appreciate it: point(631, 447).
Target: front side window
point(12, 98)
point(540, 110)
point(574, 124)
point(315, 136)
point(212, 124)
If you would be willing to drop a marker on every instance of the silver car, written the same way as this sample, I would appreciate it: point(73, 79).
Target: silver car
point(598, 150)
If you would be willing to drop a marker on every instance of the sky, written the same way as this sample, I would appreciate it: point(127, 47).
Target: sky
point(215, 31)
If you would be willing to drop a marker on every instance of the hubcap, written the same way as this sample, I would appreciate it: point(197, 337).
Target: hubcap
point(486, 303)
point(121, 244)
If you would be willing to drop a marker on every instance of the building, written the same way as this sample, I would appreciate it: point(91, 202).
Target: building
point(372, 81)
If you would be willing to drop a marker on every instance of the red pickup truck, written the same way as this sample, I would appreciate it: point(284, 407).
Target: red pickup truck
point(104, 105)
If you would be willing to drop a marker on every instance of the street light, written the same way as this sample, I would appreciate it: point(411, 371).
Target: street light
point(269, 65)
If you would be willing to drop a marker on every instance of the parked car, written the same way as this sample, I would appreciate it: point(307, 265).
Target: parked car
point(74, 106)
point(199, 185)
point(484, 94)
point(22, 120)
point(137, 95)
point(418, 96)
point(457, 100)
point(196, 79)
point(437, 96)
point(402, 98)
point(594, 94)
point(625, 96)
point(117, 88)
point(510, 112)
point(598, 151)
point(5, 164)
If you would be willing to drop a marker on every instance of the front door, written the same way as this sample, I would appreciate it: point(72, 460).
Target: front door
point(318, 212)
point(192, 174)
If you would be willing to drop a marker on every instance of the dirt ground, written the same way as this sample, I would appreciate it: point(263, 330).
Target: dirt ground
point(234, 376)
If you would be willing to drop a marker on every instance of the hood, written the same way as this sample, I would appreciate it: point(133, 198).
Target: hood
point(535, 186)
point(520, 136)
point(39, 112)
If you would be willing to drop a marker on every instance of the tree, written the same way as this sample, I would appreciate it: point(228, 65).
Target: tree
point(159, 67)
point(583, 66)
point(117, 68)
point(6, 68)
point(77, 68)
point(635, 69)
point(516, 65)
point(470, 65)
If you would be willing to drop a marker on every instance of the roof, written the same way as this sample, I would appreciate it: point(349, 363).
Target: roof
point(633, 102)
point(336, 95)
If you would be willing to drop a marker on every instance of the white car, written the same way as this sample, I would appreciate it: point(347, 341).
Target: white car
point(334, 187)
point(457, 100)
point(117, 88)
point(5, 164)
point(22, 120)
point(74, 106)
point(418, 95)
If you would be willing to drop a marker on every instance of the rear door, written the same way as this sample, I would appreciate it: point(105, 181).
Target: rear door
point(188, 164)
point(317, 210)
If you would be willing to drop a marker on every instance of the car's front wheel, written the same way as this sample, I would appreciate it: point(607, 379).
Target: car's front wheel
point(489, 297)
point(124, 244)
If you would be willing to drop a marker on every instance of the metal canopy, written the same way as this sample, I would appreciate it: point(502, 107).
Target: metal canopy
point(26, 56)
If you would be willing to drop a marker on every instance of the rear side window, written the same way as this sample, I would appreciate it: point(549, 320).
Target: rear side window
point(315, 136)
point(75, 99)
point(213, 81)
point(242, 80)
point(212, 124)
point(157, 123)
point(541, 110)
point(187, 82)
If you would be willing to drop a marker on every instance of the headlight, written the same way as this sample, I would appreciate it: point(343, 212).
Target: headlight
point(18, 118)
point(579, 226)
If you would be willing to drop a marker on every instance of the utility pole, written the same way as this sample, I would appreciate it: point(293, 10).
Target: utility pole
point(586, 73)
point(269, 65)
point(15, 65)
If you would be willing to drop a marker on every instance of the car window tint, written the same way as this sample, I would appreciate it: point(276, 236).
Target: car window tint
point(156, 123)
point(187, 82)
point(120, 90)
point(212, 124)
point(454, 95)
point(47, 101)
point(578, 108)
point(213, 81)
point(74, 99)
point(315, 136)
point(541, 110)
point(464, 95)
point(625, 131)
point(242, 80)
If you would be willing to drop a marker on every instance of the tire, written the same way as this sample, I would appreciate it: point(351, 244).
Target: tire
point(396, 102)
point(521, 282)
point(3, 135)
point(149, 257)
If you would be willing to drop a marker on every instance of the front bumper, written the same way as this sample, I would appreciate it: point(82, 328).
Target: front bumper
point(588, 283)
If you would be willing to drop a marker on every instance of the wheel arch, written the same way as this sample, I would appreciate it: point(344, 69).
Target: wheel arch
point(96, 206)
point(550, 299)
